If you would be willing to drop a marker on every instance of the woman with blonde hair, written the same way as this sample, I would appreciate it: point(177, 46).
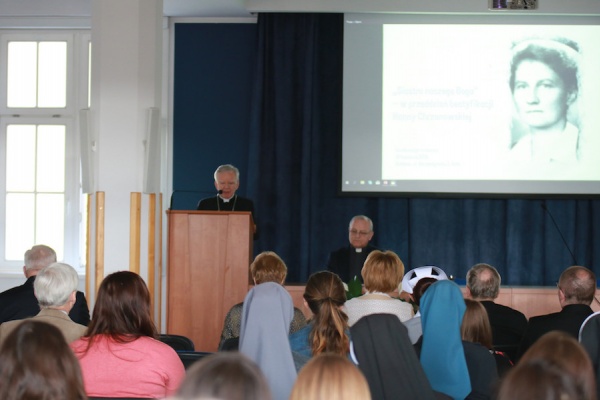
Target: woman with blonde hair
point(382, 273)
point(327, 330)
point(332, 377)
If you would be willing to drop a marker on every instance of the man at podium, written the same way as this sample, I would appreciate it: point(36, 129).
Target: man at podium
point(227, 181)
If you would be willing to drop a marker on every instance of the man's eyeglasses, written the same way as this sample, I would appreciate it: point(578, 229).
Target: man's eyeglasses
point(354, 232)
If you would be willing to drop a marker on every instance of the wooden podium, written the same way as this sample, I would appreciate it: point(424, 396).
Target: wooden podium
point(209, 254)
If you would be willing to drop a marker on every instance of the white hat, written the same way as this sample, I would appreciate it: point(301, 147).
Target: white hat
point(414, 275)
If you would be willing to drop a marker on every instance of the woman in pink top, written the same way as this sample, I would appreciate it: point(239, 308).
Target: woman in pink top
point(119, 354)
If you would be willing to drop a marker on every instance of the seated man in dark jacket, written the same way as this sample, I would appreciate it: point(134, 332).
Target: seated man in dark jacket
point(20, 302)
point(508, 324)
point(576, 290)
point(348, 261)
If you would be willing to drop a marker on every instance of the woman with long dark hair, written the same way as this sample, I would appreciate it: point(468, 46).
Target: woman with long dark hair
point(119, 354)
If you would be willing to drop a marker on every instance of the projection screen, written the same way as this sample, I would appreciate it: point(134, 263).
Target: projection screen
point(490, 105)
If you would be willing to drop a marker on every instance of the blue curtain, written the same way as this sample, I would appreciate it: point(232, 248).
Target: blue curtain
point(293, 168)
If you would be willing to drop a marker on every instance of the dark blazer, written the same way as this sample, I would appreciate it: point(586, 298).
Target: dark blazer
point(590, 332)
point(569, 320)
point(20, 302)
point(215, 203)
point(483, 371)
point(339, 262)
point(508, 327)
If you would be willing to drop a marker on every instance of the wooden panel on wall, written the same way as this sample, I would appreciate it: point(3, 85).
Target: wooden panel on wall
point(152, 250)
point(531, 301)
point(160, 264)
point(100, 218)
point(135, 219)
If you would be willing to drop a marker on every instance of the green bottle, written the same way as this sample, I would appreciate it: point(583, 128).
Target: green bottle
point(354, 288)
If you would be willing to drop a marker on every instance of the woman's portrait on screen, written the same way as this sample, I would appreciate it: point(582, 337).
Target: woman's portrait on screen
point(544, 82)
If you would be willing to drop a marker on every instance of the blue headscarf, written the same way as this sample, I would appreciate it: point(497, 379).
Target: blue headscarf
point(266, 316)
point(442, 353)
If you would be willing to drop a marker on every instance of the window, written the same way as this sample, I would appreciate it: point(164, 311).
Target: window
point(44, 81)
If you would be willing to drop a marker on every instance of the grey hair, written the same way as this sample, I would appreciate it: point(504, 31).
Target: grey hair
point(38, 257)
point(54, 284)
point(227, 168)
point(364, 218)
point(480, 287)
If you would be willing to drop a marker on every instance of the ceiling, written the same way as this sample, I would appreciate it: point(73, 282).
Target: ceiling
point(204, 8)
point(13, 9)
point(82, 8)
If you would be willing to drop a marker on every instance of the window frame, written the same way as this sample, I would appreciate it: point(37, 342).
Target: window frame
point(78, 45)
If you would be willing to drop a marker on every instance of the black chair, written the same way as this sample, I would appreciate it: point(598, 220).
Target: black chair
point(231, 344)
point(178, 342)
point(509, 350)
point(190, 357)
point(121, 398)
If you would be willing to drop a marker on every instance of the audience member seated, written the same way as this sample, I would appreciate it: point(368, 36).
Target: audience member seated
point(589, 337)
point(332, 377)
point(36, 363)
point(508, 324)
point(55, 288)
point(410, 279)
point(225, 375)
point(382, 274)
point(348, 261)
point(327, 330)
point(119, 354)
point(556, 366)
point(476, 328)
point(576, 290)
point(454, 367)
point(267, 267)
point(20, 302)
point(414, 285)
point(264, 335)
point(383, 352)
point(413, 325)
point(538, 379)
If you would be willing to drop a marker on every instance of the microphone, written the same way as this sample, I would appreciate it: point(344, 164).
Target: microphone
point(219, 192)
point(560, 233)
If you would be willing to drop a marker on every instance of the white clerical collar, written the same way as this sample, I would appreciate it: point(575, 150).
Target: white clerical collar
point(226, 200)
point(358, 249)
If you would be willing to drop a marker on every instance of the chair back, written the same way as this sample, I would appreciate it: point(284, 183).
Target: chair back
point(178, 342)
point(190, 357)
point(121, 398)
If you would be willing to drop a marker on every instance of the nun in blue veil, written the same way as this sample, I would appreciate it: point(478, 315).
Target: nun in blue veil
point(266, 316)
point(461, 370)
